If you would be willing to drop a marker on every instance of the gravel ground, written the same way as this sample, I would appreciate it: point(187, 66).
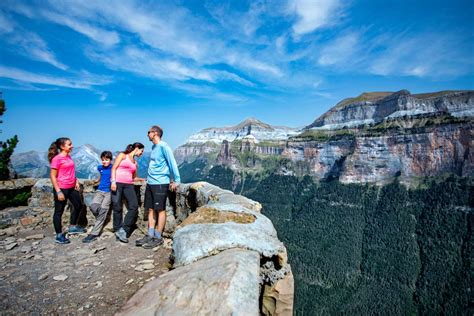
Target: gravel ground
point(38, 276)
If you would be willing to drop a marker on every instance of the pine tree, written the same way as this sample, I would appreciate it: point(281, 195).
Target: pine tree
point(6, 148)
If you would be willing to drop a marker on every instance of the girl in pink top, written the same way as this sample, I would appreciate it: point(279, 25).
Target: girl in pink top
point(124, 172)
point(66, 187)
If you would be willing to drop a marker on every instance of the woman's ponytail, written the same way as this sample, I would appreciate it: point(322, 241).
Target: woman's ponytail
point(55, 147)
point(131, 147)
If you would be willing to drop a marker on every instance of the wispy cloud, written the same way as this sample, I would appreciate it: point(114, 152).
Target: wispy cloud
point(82, 80)
point(97, 34)
point(145, 63)
point(421, 55)
point(27, 43)
point(340, 51)
point(314, 14)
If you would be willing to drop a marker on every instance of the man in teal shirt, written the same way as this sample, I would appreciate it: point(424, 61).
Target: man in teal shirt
point(163, 175)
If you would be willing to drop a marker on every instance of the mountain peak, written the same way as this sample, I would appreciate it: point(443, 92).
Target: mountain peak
point(251, 121)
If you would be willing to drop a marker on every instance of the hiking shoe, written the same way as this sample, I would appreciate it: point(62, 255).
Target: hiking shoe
point(90, 238)
point(154, 242)
point(76, 230)
point(140, 242)
point(61, 239)
point(121, 235)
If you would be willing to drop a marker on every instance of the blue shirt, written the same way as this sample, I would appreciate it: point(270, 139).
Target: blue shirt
point(105, 173)
point(162, 165)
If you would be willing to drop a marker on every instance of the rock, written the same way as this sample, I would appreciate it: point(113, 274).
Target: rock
point(61, 277)
point(14, 184)
point(10, 231)
point(98, 284)
point(9, 240)
point(278, 298)
point(10, 246)
point(28, 220)
point(146, 261)
point(129, 282)
point(96, 263)
point(25, 249)
point(225, 284)
point(42, 277)
point(196, 241)
point(98, 249)
point(37, 236)
point(144, 267)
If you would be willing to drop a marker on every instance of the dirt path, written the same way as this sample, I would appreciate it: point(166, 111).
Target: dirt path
point(38, 276)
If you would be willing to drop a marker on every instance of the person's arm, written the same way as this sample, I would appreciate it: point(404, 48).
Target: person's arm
point(173, 166)
point(54, 180)
point(118, 160)
point(97, 181)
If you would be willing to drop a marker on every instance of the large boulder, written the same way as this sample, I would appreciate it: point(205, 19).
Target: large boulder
point(225, 284)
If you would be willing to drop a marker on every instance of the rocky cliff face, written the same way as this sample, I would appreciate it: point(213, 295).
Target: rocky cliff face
point(402, 135)
point(251, 126)
point(371, 108)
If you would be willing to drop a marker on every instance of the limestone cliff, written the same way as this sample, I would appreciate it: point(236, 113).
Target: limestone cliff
point(370, 108)
point(372, 138)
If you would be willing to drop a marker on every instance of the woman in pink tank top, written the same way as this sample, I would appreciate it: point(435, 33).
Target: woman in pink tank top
point(66, 187)
point(124, 172)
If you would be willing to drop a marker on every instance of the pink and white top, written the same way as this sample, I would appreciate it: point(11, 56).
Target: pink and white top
point(125, 171)
point(66, 171)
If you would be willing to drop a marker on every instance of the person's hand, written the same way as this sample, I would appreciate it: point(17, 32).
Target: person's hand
point(173, 186)
point(78, 186)
point(113, 186)
point(61, 196)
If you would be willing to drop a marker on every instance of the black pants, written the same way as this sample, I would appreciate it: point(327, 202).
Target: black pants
point(75, 198)
point(127, 191)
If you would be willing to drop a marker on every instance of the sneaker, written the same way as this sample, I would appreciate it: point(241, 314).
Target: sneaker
point(154, 242)
point(90, 238)
point(61, 239)
point(140, 242)
point(121, 235)
point(76, 230)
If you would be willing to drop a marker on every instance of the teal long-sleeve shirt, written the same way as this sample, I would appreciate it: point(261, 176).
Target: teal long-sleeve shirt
point(162, 167)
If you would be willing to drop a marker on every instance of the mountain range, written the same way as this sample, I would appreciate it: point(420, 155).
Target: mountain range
point(373, 137)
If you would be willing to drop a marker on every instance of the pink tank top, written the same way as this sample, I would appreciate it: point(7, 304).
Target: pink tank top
point(125, 170)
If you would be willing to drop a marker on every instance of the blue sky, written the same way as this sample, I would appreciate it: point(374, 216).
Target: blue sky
point(102, 72)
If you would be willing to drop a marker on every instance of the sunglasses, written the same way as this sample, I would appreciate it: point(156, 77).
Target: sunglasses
point(150, 132)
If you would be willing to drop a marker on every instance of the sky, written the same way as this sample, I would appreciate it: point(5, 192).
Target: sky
point(103, 72)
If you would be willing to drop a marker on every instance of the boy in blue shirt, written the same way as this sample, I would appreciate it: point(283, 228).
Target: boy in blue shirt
point(101, 202)
point(163, 175)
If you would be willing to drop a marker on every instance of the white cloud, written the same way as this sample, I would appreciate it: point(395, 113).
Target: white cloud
point(314, 14)
point(421, 55)
point(27, 43)
point(99, 35)
point(83, 80)
point(340, 51)
point(150, 64)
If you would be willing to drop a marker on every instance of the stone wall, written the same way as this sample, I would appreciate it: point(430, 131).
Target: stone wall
point(226, 257)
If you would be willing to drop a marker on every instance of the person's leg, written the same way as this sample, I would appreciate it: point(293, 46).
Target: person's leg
point(102, 213)
point(75, 197)
point(132, 203)
point(160, 198)
point(96, 203)
point(58, 213)
point(117, 207)
point(161, 222)
point(148, 206)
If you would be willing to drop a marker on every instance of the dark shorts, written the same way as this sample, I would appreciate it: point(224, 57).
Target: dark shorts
point(155, 196)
